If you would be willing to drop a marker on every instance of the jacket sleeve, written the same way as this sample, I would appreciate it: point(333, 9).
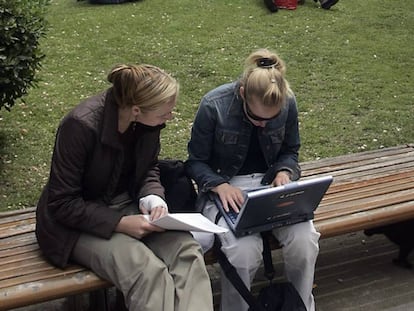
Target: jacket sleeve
point(287, 159)
point(200, 148)
point(74, 143)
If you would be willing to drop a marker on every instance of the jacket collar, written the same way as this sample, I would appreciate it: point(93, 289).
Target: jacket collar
point(109, 131)
point(236, 105)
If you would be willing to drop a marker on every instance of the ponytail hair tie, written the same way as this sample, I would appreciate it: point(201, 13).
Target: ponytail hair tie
point(266, 62)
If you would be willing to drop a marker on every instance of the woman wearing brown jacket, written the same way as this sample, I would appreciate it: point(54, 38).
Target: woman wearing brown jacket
point(103, 178)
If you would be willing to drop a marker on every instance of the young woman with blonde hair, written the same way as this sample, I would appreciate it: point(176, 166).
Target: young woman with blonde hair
point(103, 178)
point(245, 134)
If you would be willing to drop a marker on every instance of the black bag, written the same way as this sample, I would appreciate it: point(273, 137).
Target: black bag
point(271, 6)
point(280, 296)
point(180, 193)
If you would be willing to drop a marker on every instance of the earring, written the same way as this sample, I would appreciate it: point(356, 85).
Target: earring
point(134, 124)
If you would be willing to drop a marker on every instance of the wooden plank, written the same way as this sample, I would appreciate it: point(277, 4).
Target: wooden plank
point(378, 203)
point(19, 229)
point(363, 173)
point(356, 158)
point(347, 164)
point(10, 253)
point(13, 213)
point(365, 219)
point(56, 287)
point(12, 243)
point(405, 177)
point(25, 253)
point(39, 274)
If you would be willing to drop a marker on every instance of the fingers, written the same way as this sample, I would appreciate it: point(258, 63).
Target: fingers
point(158, 212)
point(233, 200)
point(145, 228)
point(136, 226)
point(282, 178)
point(143, 210)
point(230, 196)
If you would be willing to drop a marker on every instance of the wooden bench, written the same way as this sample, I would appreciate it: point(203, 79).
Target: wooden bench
point(370, 188)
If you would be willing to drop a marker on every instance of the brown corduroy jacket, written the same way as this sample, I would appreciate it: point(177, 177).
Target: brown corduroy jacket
point(85, 170)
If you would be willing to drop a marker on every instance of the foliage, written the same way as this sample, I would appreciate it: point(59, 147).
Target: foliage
point(22, 23)
point(351, 69)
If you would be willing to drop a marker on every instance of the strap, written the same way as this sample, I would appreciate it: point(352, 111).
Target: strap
point(267, 256)
point(233, 276)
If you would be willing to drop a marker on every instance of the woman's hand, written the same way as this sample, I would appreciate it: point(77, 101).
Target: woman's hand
point(157, 212)
point(154, 206)
point(282, 178)
point(229, 196)
point(136, 226)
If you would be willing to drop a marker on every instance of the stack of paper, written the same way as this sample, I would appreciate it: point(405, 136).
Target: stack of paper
point(187, 222)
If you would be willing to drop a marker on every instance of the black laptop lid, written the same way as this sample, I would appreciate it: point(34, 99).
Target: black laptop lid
point(269, 208)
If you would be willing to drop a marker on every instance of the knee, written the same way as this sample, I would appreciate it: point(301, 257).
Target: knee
point(188, 248)
point(245, 253)
point(301, 239)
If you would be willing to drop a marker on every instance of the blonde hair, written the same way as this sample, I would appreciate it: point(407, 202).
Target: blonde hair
point(264, 77)
point(146, 86)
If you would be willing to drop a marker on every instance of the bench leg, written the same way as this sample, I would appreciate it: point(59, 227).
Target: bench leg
point(74, 303)
point(99, 300)
point(120, 302)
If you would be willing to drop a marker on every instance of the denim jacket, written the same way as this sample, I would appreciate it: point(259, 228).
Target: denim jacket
point(220, 139)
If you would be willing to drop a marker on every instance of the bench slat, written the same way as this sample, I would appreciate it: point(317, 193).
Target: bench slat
point(11, 244)
point(355, 159)
point(49, 289)
point(358, 174)
point(10, 253)
point(358, 205)
point(37, 272)
point(365, 219)
point(349, 192)
point(375, 182)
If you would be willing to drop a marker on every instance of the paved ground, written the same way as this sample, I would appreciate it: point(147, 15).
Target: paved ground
point(353, 273)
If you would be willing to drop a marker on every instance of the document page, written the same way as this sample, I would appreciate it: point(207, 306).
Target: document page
point(187, 222)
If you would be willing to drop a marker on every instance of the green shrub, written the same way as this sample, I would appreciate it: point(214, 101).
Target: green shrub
point(22, 24)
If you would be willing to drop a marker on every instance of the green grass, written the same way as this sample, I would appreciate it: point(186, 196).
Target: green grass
point(351, 69)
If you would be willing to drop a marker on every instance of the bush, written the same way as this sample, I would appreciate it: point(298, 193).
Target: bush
point(22, 24)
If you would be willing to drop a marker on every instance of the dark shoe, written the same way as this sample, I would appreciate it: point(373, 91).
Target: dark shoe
point(402, 262)
point(270, 5)
point(326, 4)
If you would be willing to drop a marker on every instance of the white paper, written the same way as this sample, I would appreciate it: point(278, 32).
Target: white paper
point(187, 222)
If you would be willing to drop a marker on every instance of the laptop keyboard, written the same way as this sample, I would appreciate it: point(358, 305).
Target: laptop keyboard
point(232, 215)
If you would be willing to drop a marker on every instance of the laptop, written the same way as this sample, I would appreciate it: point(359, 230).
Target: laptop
point(272, 207)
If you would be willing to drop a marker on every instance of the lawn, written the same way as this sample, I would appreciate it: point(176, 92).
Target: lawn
point(351, 69)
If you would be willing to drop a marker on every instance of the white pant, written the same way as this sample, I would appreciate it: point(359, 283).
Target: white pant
point(300, 250)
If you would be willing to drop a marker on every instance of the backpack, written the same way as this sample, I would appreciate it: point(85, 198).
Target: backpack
point(280, 296)
point(180, 192)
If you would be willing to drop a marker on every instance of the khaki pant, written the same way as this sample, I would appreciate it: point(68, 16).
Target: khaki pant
point(162, 272)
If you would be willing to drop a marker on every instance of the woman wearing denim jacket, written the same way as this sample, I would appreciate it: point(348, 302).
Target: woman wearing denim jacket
point(245, 134)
